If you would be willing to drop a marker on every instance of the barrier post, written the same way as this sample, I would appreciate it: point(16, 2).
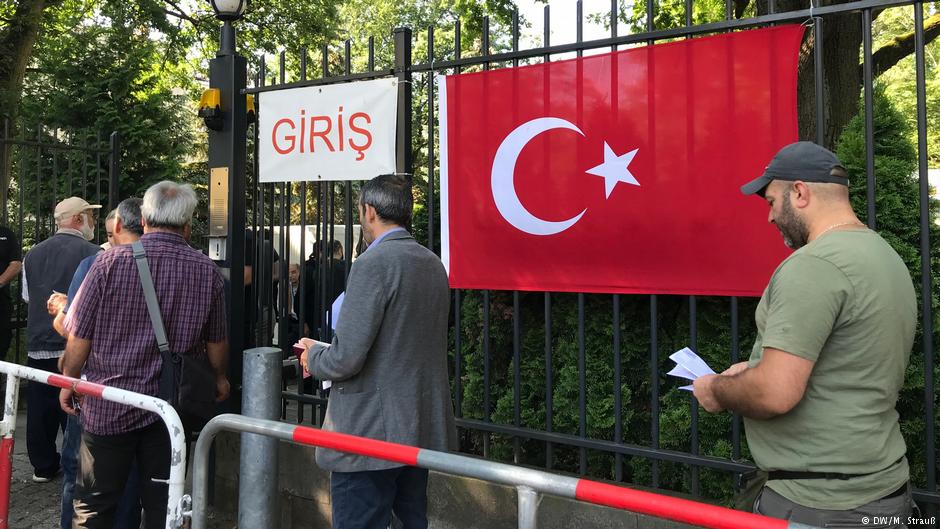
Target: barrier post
point(257, 477)
point(7, 428)
point(528, 507)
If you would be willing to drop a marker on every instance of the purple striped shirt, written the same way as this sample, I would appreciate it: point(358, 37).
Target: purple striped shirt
point(110, 310)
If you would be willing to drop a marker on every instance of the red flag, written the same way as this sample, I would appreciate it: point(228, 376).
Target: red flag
point(619, 172)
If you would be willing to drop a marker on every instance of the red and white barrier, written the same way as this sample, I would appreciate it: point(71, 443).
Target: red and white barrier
point(527, 481)
point(14, 372)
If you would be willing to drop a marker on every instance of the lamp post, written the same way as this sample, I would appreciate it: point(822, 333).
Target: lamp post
point(227, 143)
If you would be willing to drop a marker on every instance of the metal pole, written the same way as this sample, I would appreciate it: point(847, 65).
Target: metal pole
point(261, 399)
point(7, 428)
point(227, 155)
point(528, 507)
point(114, 173)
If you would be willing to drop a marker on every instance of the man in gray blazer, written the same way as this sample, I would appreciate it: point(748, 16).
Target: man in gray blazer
point(388, 364)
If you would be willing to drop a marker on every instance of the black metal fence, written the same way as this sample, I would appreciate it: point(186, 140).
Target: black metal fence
point(496, 422)
point(40, 166)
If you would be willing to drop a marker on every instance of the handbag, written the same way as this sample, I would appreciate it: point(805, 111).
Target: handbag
point(186, 383)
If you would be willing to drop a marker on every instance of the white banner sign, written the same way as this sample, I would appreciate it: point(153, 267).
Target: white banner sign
point(335, 132)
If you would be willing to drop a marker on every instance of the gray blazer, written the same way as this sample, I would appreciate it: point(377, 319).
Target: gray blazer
point(388, 359)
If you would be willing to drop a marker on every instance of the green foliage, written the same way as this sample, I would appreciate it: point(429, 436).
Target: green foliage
point(897, 206)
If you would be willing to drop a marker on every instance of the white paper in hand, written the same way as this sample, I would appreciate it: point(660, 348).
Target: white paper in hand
point(688, 366)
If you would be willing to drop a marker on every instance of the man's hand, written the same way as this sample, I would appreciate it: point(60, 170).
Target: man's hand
point(303, 361)
point(740, 367)
point(307, 343)
point(56, 303)
point(703, 389)
point(67, 401)
point(222, 388)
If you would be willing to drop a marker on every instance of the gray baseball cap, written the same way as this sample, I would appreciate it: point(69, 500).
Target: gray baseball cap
point(803, 160)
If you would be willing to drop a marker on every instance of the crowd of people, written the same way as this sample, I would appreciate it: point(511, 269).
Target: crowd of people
point(835, 328)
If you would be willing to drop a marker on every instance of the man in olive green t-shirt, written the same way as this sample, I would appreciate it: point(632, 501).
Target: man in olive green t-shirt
point(835, 330)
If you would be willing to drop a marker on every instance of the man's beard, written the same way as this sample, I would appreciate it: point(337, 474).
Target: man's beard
point(791, 226)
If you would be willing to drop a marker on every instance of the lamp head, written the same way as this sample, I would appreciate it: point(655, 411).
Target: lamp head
point(229, 10)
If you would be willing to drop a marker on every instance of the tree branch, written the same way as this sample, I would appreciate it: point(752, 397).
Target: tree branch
point(889, 54)
point(182, 16)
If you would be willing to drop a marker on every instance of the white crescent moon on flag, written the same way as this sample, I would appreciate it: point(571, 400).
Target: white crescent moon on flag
point(502, 178)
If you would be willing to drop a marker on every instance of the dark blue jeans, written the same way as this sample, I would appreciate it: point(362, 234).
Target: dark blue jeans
point(128, 510)
point(366, 500)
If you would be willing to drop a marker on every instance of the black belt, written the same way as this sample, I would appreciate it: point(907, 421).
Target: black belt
point(799, 474)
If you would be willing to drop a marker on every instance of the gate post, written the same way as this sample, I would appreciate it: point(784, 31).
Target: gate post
point(258, 475)
point(403, 155)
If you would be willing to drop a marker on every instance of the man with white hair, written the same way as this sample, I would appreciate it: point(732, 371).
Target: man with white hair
point(49, 266)
point(122, 352)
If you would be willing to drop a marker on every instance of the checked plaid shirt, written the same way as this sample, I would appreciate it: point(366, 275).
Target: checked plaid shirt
point(110, 310)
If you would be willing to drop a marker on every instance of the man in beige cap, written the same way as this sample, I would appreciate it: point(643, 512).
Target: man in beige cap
point(50, 266)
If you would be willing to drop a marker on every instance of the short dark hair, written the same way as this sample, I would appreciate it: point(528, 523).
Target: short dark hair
point(129, 213)
point(391, 197)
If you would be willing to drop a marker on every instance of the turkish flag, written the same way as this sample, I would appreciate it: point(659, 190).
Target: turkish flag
point(619, 172)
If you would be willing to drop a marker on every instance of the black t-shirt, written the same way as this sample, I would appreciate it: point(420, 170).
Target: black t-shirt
point(9, 250)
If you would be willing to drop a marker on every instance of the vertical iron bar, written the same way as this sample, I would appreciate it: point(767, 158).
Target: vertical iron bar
point(431, 136)
point(347, 192)
point(70, 169)
point(549, 382)
point(325, 61)
point(869, 117)
point(618, 366)
point(516, 374)
point(485, 42)
point(54, 181)
point(114, 171)
point(371, 64)
point(486, 369)
point(926, 289)
point(458, 359)
point(820, 85)
point(39, 211)
point(19, 300)
point(688, 12)
point(84, 189)
point(579, 25)
point(618, 398)
point(614, 18)
point(735, 352)
point(654, 383)
point(693, 339)
point(301, 311)
point(582, 387)
point(98, 170)
point(403, 154)
point(328, 260)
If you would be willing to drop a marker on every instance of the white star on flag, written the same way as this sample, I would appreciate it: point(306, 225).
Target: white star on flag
point(614, 169)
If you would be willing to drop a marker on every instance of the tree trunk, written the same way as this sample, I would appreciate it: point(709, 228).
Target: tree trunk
point(842, 81)
point(16, 47)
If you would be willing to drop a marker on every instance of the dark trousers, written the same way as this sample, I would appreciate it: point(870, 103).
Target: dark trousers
point(366, 500)
point(886, 513)
point(104, 466)
point(128, 511)
point(44, 419)
point(6, 323)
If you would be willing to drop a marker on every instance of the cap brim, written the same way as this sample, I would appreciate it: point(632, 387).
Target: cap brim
point(93, 206)
point(756, 185)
